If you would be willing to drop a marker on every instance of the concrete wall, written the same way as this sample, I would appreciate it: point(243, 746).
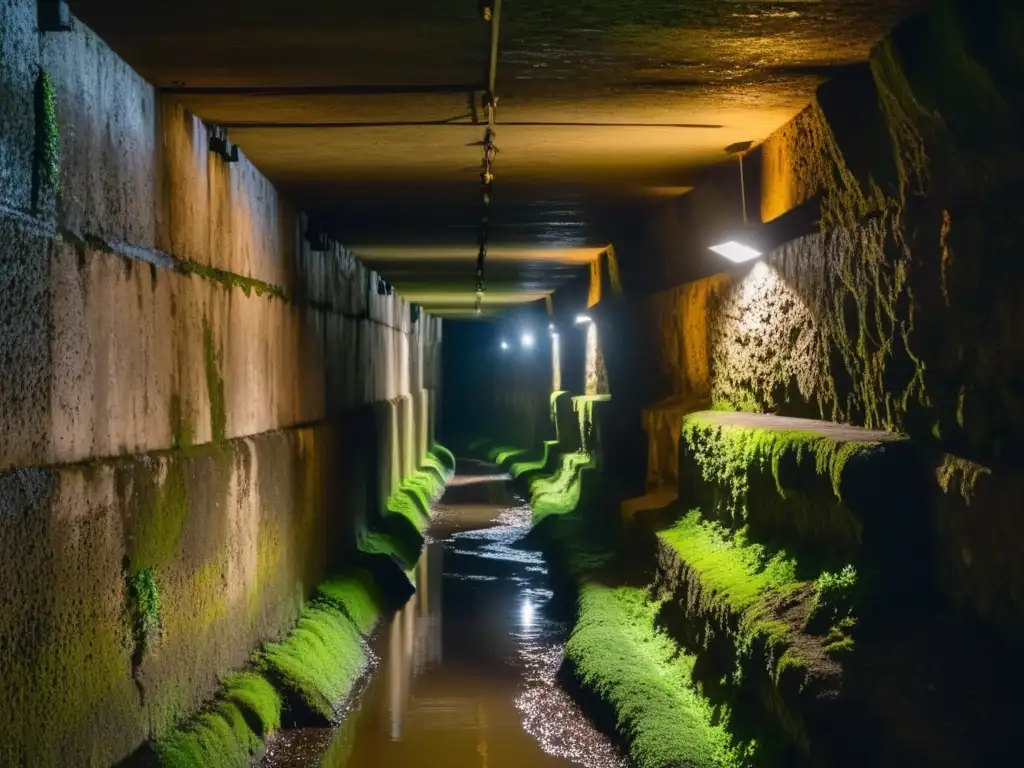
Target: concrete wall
point(188, 390)
point(899, 308)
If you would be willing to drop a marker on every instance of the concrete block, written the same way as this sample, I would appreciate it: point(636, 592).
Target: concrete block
point(110, 144)
point(19, 70)
point(234, 549)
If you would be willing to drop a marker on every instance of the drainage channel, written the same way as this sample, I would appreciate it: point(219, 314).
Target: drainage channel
point(465, 673)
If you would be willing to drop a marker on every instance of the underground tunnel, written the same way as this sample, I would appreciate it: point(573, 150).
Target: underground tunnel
point(499, 383)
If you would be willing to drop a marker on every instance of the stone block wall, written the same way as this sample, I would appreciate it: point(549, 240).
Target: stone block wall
point(190, 394)
point(900, 309)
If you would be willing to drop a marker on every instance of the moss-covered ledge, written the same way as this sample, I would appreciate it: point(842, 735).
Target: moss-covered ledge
point(822, 488)
point(629, 675)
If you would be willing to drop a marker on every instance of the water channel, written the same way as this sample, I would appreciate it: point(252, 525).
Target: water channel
point(465, 672)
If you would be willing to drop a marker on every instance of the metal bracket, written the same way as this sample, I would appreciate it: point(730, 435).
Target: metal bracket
point(221, 144)
point(55, 16)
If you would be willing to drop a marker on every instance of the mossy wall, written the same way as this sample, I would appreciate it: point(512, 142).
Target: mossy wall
point(898, 308)
point(234, 549)
point(901, 313)
point(185, 448)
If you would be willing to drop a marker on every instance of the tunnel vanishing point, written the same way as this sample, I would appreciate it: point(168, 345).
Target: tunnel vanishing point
point(731, 289)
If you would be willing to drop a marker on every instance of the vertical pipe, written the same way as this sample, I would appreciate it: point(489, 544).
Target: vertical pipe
point(743, 192)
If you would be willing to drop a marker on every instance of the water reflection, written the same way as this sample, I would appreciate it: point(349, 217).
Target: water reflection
point(414, 637)
point(468, 670)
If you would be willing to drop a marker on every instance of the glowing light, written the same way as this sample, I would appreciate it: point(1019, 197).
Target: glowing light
point(526, 614)
point(504, 345)
point(736, 252)
point(527, 340)
point(580, 319)
point(551, 327)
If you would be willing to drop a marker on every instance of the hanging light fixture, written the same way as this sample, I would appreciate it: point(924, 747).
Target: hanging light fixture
point(741, 249)
point(490, 10)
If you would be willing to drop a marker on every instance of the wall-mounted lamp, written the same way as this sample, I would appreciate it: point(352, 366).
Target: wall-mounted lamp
point(583, 318)
point(734, 250)
point(221, 145)
point(527, 341)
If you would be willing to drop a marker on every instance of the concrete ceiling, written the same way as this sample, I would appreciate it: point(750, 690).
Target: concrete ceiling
point(369, 112)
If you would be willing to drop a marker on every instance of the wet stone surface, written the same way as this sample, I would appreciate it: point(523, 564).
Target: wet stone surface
point(466, 671)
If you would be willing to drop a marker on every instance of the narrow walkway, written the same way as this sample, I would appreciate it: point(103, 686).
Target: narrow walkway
point(466, 673)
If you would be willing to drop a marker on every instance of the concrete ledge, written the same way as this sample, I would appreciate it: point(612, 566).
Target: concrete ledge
point(822, 487)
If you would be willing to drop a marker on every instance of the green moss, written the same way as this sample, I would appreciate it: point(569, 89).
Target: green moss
point(839, 641)
point(584, 408)
point(834, 598)
point(319, 660)
point(405, 549)
point(46, 175)
point(527, 466)
point(620, 657)
point(221, 738)
point(355, 593)
point(181, 425)
point(967, 473)
point(445, 456)
point(254, 694)
point(157, 529)
point(230, 280)
point(734, 571)
point(559, 493)
point(727, 455)
point(143, 594)
point(214, 384)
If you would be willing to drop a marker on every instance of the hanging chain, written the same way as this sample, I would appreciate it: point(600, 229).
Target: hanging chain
point(486, 182)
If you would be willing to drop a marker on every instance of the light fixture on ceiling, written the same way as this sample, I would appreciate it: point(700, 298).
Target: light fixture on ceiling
point(504, 346)
point(583, 318)
point(527, 340)
point(742, 249)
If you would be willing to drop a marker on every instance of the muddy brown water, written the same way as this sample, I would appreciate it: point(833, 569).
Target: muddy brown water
point(465, 673)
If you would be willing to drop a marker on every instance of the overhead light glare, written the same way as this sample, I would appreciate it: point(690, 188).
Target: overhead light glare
point(736, 252)
point(527, 340)
point(583, 318)
point(504, 345)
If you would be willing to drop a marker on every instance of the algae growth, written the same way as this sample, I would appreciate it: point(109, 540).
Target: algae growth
point(231, 733)
point(46, 170)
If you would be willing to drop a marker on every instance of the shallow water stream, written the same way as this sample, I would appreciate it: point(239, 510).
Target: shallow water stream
point(465, 671)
